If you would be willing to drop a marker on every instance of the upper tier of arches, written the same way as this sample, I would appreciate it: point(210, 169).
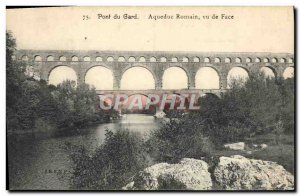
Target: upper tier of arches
point(151, 57)
point(194, 69)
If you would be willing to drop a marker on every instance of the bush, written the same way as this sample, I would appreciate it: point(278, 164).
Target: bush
point(246, 110)
point(178, 139)
point(42, 125)
point(267, 101)
point(223, 120)
point(111, 166)
point(34, 105)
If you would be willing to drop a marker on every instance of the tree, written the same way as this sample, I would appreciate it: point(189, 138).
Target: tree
point(33, 104)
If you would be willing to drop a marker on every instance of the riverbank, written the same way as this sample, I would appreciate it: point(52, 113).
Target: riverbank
point(282, 152)
point(233, 173)
point(43, 164)
point(51, 131)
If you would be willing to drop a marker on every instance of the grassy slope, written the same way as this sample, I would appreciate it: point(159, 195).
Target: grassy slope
point(281, 153)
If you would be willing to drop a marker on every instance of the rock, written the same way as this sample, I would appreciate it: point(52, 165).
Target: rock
point(236, 146)
point(263, 146)
point(129, 186)
point(160, 114)
point(188, 174)
point(239, 173)
point(230, 173)
point(249, 152)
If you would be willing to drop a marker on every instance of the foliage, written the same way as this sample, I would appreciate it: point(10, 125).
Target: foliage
point(14, 72)
point(246, 110)
point(33, 104)
point(112, 165)
point(179, 139)
point(262, 105)
point(174, 113)
point(267, 101)
point(76, 105)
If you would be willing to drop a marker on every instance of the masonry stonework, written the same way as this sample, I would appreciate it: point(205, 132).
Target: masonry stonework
point(44, 61)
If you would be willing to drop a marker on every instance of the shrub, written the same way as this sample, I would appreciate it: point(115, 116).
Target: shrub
point(112, 165)
point(266, 101)
point(176, 140)
point(223, 120)
point(42, 125)
point(246, 110)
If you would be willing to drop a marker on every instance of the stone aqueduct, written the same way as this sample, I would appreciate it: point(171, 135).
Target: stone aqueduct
point(44, 61)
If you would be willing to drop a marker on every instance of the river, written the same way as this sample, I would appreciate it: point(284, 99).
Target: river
point(42, 164)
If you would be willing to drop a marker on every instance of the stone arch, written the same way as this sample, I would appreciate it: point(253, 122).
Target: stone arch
point(174, 60)
point(37, 58)
point(185, 59)
point(248, 60)
point(131, 59)
point(130, 104)
point(153, 59)
point(206, 60)
point(266, 60)
point(50, 58)
point(142, 78)
point(227, 60)
point(74, 58)
point(268, 71)
point(110, 59)
point(68, 73)
point(257, 60)
point(163, 59)
point(99, 76)
point(177, 97)
point(173, 79)
point(121, 59)
point(207, 78)
point(137, 93)
point(87, 58)
point(62, 58)
point(288, 72)
point(99, 58)
point(24, 58)
point(290, 60)
point(274, 60)
point(142, 59)
point(282, 60)
point(196, 59)
point(217, 60)
point(239, 74)
point(142, 94)
point(238, 60)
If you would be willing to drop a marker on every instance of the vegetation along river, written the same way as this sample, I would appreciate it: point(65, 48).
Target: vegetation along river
point(42, 163)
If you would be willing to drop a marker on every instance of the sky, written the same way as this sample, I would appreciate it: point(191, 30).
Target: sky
point(252, 29)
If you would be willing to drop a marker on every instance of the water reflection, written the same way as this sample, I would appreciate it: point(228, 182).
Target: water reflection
point(34, 164)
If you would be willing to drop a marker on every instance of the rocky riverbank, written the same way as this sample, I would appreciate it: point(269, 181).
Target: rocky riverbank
point(224, 173)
